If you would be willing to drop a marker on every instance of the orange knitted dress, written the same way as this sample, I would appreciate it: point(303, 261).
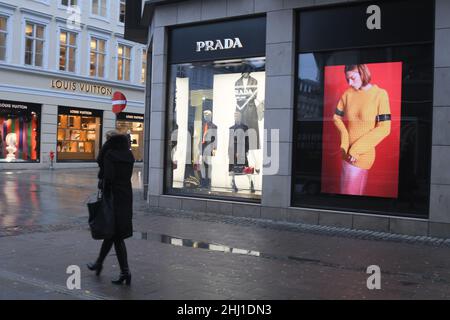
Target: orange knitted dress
point(368, 117)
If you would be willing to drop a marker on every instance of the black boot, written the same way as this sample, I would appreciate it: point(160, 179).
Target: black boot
point(95, 267)
point(124, 277)
point(121, 251)
point(98, 265)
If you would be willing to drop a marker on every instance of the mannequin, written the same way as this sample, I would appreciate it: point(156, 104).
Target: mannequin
point(238, 148)
point(209, 147)
point(11, 141)
point(246, 91)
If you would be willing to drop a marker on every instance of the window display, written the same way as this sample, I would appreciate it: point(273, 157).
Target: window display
point(364, 102)
point(363, 118)
point(19, 131)
point(132, 125)
point(79, 135)
point(216, 124)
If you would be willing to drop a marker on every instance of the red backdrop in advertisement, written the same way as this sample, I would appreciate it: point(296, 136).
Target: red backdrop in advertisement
point(382, 179)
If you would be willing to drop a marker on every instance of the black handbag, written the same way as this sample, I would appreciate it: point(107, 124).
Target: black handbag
point(101, 220)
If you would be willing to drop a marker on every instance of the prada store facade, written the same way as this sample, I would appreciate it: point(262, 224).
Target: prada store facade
point(281, 111)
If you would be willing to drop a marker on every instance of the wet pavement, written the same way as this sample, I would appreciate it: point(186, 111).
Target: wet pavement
point(187, 255)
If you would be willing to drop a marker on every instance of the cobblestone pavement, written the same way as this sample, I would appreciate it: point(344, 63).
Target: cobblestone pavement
point(188, 255)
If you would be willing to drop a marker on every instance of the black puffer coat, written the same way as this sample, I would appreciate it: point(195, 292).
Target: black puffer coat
point(116, 168)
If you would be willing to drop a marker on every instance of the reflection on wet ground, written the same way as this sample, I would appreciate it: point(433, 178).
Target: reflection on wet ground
point(29, 198)
point(180, 242)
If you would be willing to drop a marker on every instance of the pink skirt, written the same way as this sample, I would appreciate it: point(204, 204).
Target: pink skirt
point(353, 179)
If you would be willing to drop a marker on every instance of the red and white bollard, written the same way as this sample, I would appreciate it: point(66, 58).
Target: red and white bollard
point(52, 157)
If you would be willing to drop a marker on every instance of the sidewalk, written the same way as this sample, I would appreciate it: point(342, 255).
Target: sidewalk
point(290, 265)
point(187, 255)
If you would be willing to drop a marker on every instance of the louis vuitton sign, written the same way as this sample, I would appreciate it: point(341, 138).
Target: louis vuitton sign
point(81, 87)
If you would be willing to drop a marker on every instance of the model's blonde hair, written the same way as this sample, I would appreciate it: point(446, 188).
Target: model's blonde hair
point(363, 71)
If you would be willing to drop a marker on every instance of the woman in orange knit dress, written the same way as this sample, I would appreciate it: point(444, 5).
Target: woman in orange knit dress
point(365, 108)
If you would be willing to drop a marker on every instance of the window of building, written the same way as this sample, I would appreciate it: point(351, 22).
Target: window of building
point(215, 113)
point(216, 128)
point(3, 37)
point(363, 117)
point(144, 66)
point(79, 134)
point(97, 57)
point(100, 7)
point(132, 125)
point(67, 51)
point(69, 3)
point(19, 131)
point(34, 44)
point(123, 62)
point(122, 7)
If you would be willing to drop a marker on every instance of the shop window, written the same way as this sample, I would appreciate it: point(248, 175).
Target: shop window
point(132, 125)
point(79, 136)
point(363, 117)
point(216, 124)
point(19, 132)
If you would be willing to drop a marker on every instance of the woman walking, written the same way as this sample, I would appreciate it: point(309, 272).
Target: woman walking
point(116, 168)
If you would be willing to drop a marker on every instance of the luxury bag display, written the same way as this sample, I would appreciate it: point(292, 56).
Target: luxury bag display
point(101, 220)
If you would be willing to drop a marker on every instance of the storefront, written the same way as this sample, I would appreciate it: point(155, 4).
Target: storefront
point(132, 125)
point(79, 134)
point(19, 131)
point(364, 110)
point(214, 143)
point(342, 110)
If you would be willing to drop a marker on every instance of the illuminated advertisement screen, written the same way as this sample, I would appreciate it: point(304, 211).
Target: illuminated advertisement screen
point(361, 129)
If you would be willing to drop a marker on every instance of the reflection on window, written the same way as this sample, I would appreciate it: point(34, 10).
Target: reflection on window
point(97, 57)
point(69, 3)
point(67, 53)
point(216, 124)
point(144, 66)
point(122, 11)
point(3, 37)
point(34, 44)
point(99, 7)
point(123, 62)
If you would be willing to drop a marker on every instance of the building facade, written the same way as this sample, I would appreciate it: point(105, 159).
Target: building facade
point(322, 112)
point(61, 61)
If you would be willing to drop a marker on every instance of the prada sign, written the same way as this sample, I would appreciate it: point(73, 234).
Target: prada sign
point(226, 44)
point(235, 39)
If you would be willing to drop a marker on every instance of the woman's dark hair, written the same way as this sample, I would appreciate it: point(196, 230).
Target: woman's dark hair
point(363, 71)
